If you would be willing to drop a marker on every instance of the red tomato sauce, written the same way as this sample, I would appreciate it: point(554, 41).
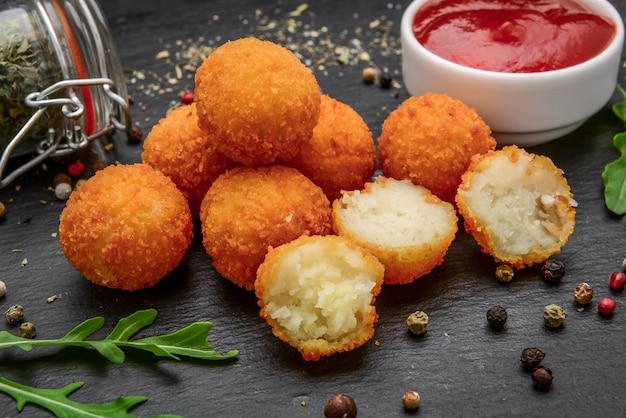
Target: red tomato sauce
point(519, 36)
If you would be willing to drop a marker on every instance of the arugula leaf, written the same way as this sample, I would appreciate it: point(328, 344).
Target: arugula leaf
point(57, 402)
point(614, 173)
point(190, 341)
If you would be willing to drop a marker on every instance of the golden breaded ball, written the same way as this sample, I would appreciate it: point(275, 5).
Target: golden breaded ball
point(258, 99)
point(407, 227)
point(178, 148)
point(126, 227)
point(318, 292)
point(430, 140)
point(517, 205)
point(341, 154)
point(247, 210)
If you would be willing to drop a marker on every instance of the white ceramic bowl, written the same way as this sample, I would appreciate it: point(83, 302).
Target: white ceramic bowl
point(525, 109)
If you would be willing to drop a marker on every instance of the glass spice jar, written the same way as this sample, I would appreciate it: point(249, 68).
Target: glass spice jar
point(61, 81)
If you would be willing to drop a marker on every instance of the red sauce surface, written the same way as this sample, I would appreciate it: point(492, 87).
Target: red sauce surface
point(520, 36)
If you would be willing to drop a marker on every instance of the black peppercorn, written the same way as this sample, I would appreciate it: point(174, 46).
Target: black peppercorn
point(542, 378)
point(340, 406)
point(531, 357)
point(386, 81)
point(134, 135)
point(496, 316)
point(553, 270)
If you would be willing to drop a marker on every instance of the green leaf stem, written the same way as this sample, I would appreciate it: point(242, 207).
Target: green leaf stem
point(190, 341)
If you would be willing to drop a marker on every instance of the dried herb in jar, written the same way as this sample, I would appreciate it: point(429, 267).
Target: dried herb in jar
point(27, 65)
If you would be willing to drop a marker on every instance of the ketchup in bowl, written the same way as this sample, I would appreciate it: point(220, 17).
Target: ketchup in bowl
point(514, 36)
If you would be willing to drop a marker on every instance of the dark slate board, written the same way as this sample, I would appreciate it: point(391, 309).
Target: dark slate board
point(460, 367)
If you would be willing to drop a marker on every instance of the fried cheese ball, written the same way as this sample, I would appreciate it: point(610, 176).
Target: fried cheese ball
point(318, 292)
point(126, 227)
point(407, 227)
point(517, 205)
point(430, 140)
point(247, 210)
point(341, 154)
point(178, 148)
point(258, 99)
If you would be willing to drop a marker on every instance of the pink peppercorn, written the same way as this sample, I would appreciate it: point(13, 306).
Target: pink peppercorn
point(76, 169)
point(606, 306)
point(617, 280)
point(186, 97)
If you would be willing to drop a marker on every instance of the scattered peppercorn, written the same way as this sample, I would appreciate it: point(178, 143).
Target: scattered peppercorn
point(624, 264)
point(504, 273)
point(340, 406)
point(386, 81)
point(3, 210)
point(187, 97)
point(606, 306)
point(369, 75)
point(417, 322)
point(583, 293)
point(542, 378)
point(411, 399)
point(14, 314)
point(496, 316)
point(554, 315)
point(76, 170)
point(27, 330)
point(532, 357)
point(3, 288)
point(61, 178)
point(62, 191)
point(98, 165)
point(553, 270)
point(134, 134)
point(617, 280)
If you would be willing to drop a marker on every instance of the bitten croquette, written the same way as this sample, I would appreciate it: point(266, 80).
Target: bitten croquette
point(318, 292)
point(258, 99)
point(341, 154)
point(430, 140)
point(407, 227)
point(126, 227)
point(178, 148)
point(247, 210)
point(517, 205)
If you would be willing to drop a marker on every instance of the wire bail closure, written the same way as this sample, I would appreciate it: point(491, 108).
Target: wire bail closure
point(73, 108)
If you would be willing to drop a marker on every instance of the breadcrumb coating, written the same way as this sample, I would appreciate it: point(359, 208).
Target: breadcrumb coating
point(247, 210)
point(430, 140)
point(407, 227)
point(258, 99)
point(318, 293)
point(126, 227)
point(178, 148)
point(517, 205)
point(341, 154)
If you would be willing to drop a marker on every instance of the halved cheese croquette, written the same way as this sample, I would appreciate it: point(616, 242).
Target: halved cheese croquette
point(517, 205)
point(341, 154)
point(407, 227)
point(178, 148)
point(126, 227)
point(258, 99)
point(247, 210)
point(318, 292)
point(430, 140)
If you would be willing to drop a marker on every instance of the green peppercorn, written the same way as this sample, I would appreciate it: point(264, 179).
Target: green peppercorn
point(496, 316)
point(532, 357)
point(504, 273)
point(542, 378)
point(554, 315)
point(27, 330)
point(417, 322)
point(553, 270)
point(14, 314)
